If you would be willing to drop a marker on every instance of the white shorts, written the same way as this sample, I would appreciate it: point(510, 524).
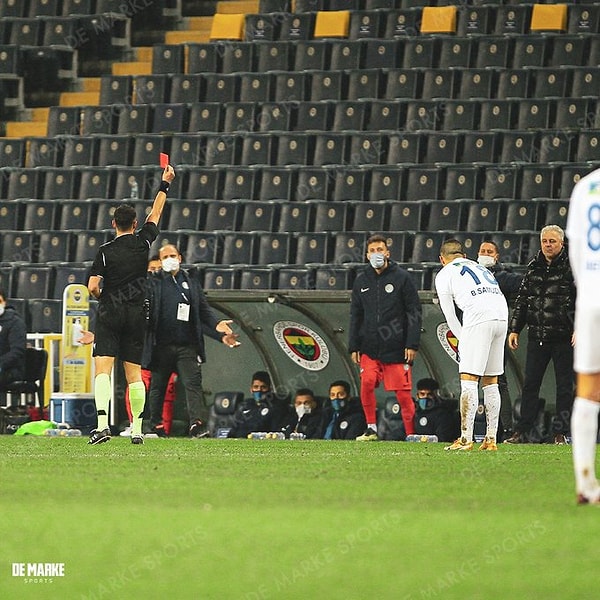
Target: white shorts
point(587, 340)
point(481, 348)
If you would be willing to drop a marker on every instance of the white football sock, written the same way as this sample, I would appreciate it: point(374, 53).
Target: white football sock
point(469, 401)
point(491, 400)
point(584, 429)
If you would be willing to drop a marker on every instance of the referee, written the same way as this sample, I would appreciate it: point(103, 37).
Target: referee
point(118, 280)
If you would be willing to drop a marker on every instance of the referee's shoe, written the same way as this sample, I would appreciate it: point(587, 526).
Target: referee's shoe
point(99, 436)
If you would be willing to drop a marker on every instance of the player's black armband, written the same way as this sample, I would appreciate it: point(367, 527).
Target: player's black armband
point(164, 186)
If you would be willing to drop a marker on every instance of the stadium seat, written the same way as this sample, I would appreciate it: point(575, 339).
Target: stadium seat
point(384, 115)
point(255, 87)
point(293, 86)
point(552, 82)
point(221, 215)
point(313, 116)
point(239, 116)
point(221, 149)
point(348, 247)
point(556, 211)
point(461, 115)
point(446, 216)
point(34, 282)
point(477, 83)
point(296, 278)
point(185, 214)
point(521, 215)
point(205, 117)
point(405, 148)
point(403, 83)
point(555, 147)
point(260, 216)
point(512, 19)
point(442, 147)
point(456, 52)
point(79, 150)
point(44, 152)
point(518, 146)
point(116, 89)
point(24, 183)
point(585, 82)
point(330, 216)
point(186, 149)
point(463, 181)
point(274, 248)
point(587, 146)
point(514, 83)
point(573, 114)
point(583, 18)
point(423, 115)
point(382, 54)
point(261, 27)
point(423, 183)
point(313, 183)
point(296, 217)
point(386, 183)
point(95, 182)
point(75, 214)
point(439, 83)
point(366, 24)
point(533, 114)
point(224, 278)
point(239, 248)
point(114, 150)
point(146, 149)
point(55, 246)
point(257, 149)
point(45, 315)
point(369, 216)
point(407, 215)
point(203, 182)
point(167, 59)
point(483, 215)
point(328, 85)
point(11, 215)
point(239, 183)
point(531, 51)
point(538, 181)
point(276, 183)
point(364, 84)
point(497, 114)
point(330, 149)
point(63, 120)
point(334, 278)
point(311, 55)
point(345, 55)
point(40, 214)
point(133, 119)
point(426, 247)
point(350, 184)
point(169, 118)
point(501, 182)
point(274, 116)
point(258, 278)
point(19, 246)
point(312, 248)
point(293, 149)
point(204, 247)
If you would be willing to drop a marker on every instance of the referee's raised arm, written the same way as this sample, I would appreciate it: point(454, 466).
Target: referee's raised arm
point(161, 196)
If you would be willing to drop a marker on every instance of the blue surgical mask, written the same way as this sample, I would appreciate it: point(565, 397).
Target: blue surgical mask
point(377, 260)
point(338, 405)
point(258, 396)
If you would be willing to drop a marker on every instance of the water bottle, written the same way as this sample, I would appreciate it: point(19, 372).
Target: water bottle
point(257, 435)
point(276, 435)
point(297, 436)
point(51, 432)
point(135, 190)
point(70, 432)
point(76, 332)
point(415, 437)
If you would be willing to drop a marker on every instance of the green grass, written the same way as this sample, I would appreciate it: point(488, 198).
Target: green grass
point(266, 519)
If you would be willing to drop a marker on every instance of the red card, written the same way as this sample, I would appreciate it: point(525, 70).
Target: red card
point(164, 160)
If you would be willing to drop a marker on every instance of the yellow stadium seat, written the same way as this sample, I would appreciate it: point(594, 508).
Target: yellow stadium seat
point(549, 17)
point(227, 27)
point(438, 19)
point(332, 23)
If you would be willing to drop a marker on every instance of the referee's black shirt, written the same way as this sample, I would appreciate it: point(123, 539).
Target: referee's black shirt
point(123, 265)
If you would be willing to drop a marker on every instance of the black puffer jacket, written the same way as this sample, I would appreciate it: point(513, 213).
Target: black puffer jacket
point(546, 300)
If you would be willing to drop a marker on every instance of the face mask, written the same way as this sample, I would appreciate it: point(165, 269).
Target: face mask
point(301, 410)
point(337, 405)
point(170, 264)
point(486, 261)
point(258, 396)
point(425, 403)
point(377, 260)
point(2, 307)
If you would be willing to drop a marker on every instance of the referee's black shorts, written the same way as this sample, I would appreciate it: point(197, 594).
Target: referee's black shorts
point(120, 330)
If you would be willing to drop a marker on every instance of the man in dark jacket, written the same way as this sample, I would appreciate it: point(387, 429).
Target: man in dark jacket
point(509, 282)
point(179, 317)
point(436, 415)
point(343, 416)
point(385, 330)
point(13, 337)
point(546, 305)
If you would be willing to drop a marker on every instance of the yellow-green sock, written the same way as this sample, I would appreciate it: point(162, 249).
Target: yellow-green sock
point(137, 400)
point(102, 394)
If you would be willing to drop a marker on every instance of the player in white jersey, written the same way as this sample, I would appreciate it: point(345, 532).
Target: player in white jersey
point(583, 232)
point(474, 290)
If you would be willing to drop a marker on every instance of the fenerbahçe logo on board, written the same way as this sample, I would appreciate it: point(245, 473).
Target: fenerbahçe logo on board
point(302, 345)
point(448, 341)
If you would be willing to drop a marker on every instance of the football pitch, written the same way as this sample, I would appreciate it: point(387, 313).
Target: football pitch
point(228, 519)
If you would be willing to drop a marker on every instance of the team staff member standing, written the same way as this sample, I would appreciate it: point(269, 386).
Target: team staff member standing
point(583, 231)
point(546, 304)
point(385, 330)
point(121, 267)
point(465, 284)
point(179, 317)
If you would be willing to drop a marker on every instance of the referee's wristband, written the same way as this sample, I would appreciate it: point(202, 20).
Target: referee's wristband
point(164, 186)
